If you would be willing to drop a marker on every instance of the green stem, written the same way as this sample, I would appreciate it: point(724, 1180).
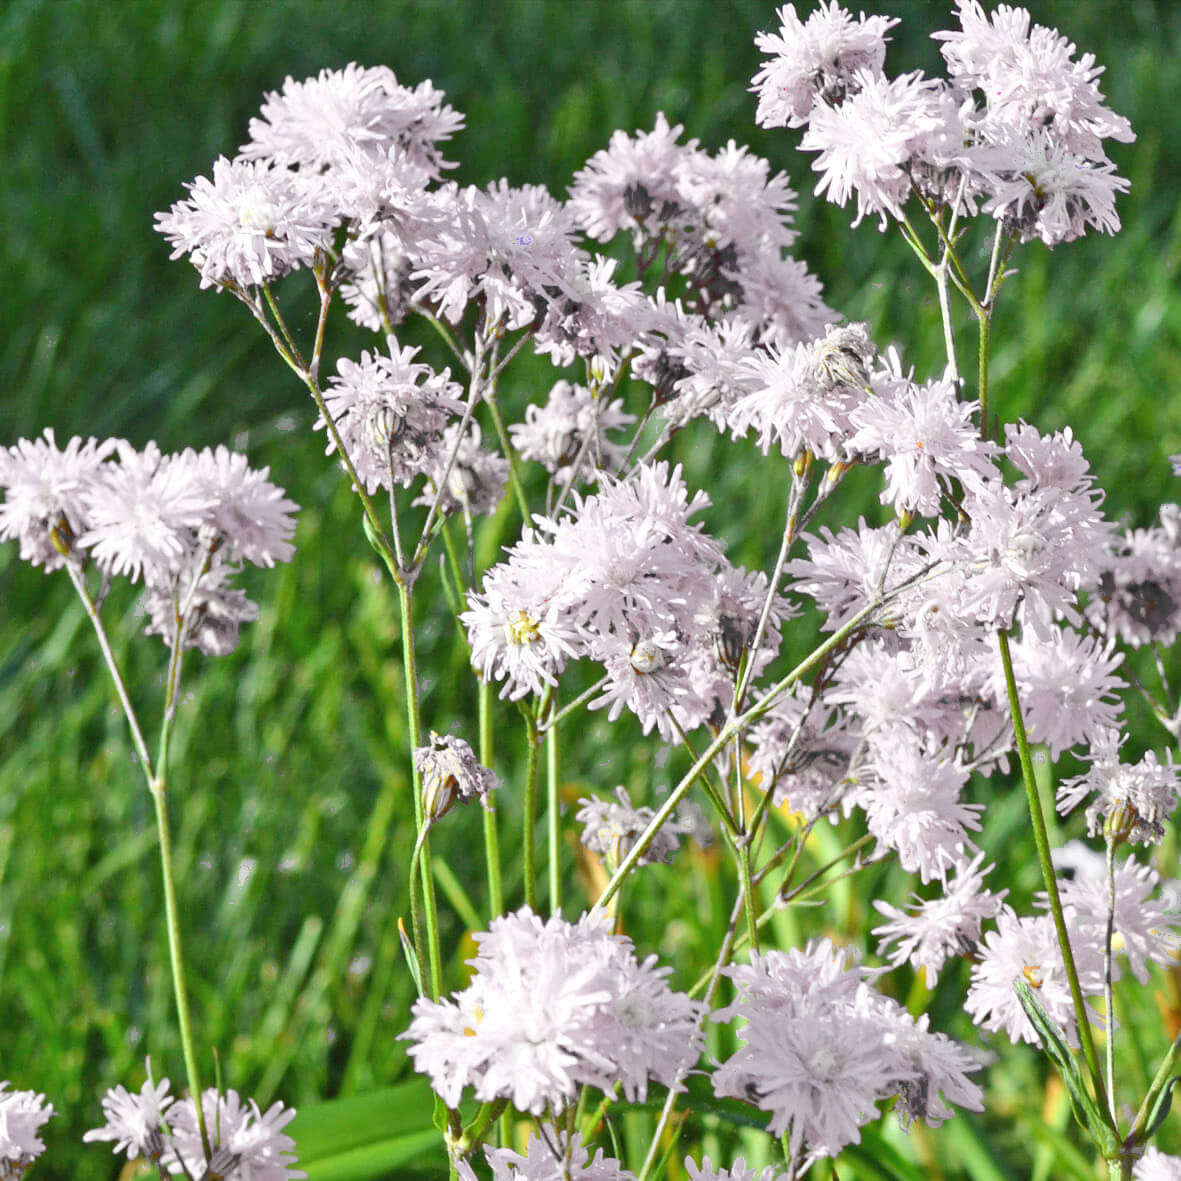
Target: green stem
point(1109, 1046)
point(1042, 842)
point(176, 958)
point(529, 812)
point(433, 954)
point(553, 817)
point(164, 833)
point(491, 836)
point(510, 452)
point(985, 320)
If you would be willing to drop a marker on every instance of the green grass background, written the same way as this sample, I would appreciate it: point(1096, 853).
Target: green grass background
point(290, 794)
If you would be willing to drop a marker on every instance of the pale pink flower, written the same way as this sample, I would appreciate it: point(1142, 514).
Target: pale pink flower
point(1146, 929)
point(22, 1114)
point(216, 610)
point(1040, 189)
point(912, 802)
point(738, 1171)
point(1028, 78)
point(631, 184)
point(390, 413)
point(1137, 798)
point(248, 1144)
point(476, 479)
point(573, 421)
point(554, 1006)
point(933, 930)
point(321, 120)
point(1028, 948)
point(46, 494)
point(248, 225)
point(927, 438)
point(550, 1155)
point(815, 60)
point(1067, 685)
point(1155, 1165)
point(867, 143)
point(135, 1122)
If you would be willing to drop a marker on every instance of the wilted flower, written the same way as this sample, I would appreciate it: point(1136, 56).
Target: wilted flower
point(450, 771)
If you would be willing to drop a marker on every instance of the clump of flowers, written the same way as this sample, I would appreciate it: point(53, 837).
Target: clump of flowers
point(244, 1143)
point(553, 1007)
point(821, 1047)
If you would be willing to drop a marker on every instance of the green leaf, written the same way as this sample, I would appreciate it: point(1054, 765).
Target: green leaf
point(1160, 1109)
point(400, 1156)
point(381, 1120)
point(1086, 1111)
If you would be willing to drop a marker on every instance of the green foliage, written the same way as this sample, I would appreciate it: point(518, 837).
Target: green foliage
point(291, 798)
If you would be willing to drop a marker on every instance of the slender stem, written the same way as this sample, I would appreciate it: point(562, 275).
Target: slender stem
point(799, 482)
point(982, 368)
point(176, 958)
point(553, 817)
point(414, 722)
point(157, 788)
point(529, 812)
point(742, 852)
point(941, 286)
point(491, 836)
point(1042, 841)
point(104, 644)
point(428, 529)
point(574, 705)
point(723, 958)
point(1109, 1046)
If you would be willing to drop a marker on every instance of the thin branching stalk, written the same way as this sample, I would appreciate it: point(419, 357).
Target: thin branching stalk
point(158, 790)
point(1042, 842)
point(732, 726)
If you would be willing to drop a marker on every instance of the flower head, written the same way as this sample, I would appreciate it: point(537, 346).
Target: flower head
point(22, 1114)
point(134, 1121)
point(248, 1144)
point(45, 494)
point(817, 60)
point(248, 224)
point(553, 1006)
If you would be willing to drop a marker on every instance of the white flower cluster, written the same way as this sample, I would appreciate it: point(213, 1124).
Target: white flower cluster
point(184, 523)
point(1146, 931)
point(627, 581)
point(22, 1115)
point(246, 1144)
point(553, 1007)
point(822, 1048)
point(1018, 124)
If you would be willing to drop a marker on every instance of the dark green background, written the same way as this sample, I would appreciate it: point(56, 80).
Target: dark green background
point(105, 110)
